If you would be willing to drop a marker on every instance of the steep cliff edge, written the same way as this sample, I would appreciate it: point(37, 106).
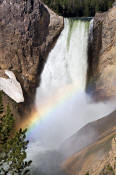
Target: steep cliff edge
point(102, 56)
point(96, 159)
point(28, 30)
point(87, 135)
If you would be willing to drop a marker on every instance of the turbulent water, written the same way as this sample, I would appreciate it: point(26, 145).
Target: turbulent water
point(62, 80)
point(67, 62)
point(61, 101)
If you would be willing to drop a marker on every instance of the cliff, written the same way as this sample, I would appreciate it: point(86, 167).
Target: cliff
point(87, 135)
point(102, 56)
point(96, 159)
point(28, 31)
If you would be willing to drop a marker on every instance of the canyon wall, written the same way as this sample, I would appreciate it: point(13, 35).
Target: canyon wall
point(102, 56)
point(99, 158)
point(96, 159)
point(28, 31)
point(87, 135)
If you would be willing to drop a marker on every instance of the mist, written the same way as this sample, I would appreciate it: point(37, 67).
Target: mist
point(61, 101)
point(68, 120)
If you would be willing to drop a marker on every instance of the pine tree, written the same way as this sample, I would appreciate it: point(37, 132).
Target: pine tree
point(78, 8)
point(12, 146)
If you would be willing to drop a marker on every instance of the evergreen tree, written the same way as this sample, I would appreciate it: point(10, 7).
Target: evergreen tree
point(73, 8)
point(12, 146)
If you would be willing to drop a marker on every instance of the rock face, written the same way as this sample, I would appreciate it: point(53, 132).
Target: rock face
point(102, 56)
point(28, 30)
point(96, 159)
point(87, 135)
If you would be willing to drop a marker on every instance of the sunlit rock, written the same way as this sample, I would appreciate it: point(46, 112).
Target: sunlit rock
point(11, 87)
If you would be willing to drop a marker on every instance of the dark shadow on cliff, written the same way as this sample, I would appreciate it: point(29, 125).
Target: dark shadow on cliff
point(94, 47)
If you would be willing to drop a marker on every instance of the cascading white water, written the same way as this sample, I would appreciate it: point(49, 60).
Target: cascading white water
point(61, 100)
point(91, 30)
point(67, 62)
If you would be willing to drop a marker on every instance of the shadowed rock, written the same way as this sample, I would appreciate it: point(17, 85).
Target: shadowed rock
point(102, 56)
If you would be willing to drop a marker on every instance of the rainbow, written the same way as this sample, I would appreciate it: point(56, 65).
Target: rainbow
point(44, 111)
point(66, 93)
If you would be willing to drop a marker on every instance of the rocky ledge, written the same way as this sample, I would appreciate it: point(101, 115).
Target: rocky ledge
point(102, 56)
point(28, 30)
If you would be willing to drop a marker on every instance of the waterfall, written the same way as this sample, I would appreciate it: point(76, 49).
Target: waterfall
point(67, 63)
point(91, 30)
point(62, 104)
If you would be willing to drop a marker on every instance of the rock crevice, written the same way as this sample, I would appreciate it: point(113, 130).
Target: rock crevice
point(102, 56)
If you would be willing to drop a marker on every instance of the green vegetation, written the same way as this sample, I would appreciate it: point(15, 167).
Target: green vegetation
point(107, 170)
point(12, 146)
point(87, 173)
point(78, 8)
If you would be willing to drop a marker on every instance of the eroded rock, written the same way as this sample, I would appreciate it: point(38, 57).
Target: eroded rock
point(28, 31)
point(102, 56)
